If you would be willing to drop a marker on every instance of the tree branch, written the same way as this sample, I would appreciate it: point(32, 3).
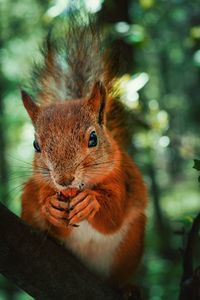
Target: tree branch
point(42, 267)
point(190, 282)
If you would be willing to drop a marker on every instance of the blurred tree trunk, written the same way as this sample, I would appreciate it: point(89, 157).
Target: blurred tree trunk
point(10, 290)
point(111, 13)
point(160, 224)
point(194, 85)
point(3, 162)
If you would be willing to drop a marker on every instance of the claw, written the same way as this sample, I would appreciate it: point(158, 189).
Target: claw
point(74, 225)
point(84, 206)
point(61, 197)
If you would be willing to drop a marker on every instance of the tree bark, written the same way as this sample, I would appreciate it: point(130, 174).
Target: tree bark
point(42, 267)
point(190, 282)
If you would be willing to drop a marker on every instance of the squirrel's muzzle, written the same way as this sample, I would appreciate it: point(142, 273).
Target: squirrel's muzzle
point(65, 181)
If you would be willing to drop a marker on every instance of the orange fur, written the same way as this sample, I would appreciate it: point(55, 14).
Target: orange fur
point(98, 187)
point(113, 191)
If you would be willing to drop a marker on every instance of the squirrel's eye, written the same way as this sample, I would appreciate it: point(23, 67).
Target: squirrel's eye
point(36, 146)
point(92, 140)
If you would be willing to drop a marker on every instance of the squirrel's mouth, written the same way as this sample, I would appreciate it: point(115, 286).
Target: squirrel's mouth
point(60, 187)
point(67, 185)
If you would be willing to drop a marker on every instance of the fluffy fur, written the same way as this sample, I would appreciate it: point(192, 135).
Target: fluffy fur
point(99, 187)
point(70, 64)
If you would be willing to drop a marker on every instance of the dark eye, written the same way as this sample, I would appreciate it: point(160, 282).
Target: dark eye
point(92, 140)
point(36, 146)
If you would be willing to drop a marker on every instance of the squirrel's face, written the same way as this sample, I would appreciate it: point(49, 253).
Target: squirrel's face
point(73, 147)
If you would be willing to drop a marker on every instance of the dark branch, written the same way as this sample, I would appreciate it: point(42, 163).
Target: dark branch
point(190, 282)
point(189, 250)
point(43, 268)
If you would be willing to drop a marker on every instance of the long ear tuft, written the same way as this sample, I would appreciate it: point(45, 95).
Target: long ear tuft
point(97, 101)
point(31, 107)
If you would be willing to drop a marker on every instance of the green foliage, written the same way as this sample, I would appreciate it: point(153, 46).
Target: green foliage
point(160, 46)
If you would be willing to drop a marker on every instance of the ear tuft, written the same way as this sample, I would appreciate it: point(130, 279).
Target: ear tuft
point(31, 107)
point(97, 101)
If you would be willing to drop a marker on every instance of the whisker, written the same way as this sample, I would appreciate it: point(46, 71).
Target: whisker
point(20, 186)
point(26, 173)
point(27, 163)
point(100, 164)
point(20, 160)
point(82, 161)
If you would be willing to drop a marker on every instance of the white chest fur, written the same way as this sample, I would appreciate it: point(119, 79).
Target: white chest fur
point(95, 250)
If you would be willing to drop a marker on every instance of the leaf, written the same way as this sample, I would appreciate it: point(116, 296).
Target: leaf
point(188, 220)
point(196, 164)
point(146, 4)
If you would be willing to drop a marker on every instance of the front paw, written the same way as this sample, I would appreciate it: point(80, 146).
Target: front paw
point(83, 206)
point(56, 210)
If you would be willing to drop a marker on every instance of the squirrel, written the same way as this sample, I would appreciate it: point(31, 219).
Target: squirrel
point(85, 190)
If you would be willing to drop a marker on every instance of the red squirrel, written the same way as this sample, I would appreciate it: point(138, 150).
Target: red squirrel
point(85, 190)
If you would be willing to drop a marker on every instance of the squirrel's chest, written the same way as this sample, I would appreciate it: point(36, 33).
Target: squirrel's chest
point(94, 249)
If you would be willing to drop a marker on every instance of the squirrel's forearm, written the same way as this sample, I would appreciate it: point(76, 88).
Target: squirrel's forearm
point(110, 216)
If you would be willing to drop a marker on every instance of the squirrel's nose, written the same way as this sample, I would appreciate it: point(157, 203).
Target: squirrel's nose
point(66, 181)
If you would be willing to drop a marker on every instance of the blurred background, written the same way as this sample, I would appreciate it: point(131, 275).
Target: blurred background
point(157, 46)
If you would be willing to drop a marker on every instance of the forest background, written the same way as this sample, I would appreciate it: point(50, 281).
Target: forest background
point(157, 43)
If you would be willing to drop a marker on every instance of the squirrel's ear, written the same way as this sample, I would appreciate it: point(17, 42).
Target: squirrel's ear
point(97, 101)
point(31, 107)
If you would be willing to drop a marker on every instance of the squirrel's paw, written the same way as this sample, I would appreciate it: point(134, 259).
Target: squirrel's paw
point(56, 211)
point(83, 206)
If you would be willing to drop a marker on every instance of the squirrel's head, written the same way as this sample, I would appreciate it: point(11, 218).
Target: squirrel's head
point(73, 147)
